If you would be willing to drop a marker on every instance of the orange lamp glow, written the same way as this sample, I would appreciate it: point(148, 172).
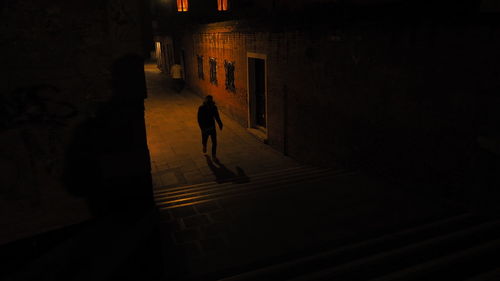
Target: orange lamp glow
point(182, 5)
point(222, 5)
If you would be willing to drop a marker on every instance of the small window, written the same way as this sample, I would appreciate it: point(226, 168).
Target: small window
point(222, 5)
point(200, 68)
point(229, 67)
point(213, 70)
point(182, 5)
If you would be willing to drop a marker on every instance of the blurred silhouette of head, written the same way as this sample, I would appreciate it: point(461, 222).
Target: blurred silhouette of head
point(209, 100)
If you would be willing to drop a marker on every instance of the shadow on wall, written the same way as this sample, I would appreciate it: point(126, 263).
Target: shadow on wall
point(31, 119)
point(108, 160)
point(108, 165)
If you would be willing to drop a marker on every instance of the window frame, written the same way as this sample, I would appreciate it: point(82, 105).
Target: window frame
point(222, 5)
point(182, 6)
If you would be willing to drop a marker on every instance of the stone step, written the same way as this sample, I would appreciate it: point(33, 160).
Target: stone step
point(213, 188)
point(491, 275)
point(293, 181)
point(253, 178)
point(355, 251)
point(455, 266)
point(406, 260)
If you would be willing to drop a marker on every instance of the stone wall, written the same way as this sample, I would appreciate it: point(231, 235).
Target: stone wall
point(72, 125)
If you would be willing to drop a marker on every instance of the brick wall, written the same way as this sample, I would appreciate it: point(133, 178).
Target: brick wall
point(222, 46)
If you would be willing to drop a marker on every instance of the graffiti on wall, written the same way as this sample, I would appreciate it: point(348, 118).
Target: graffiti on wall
point(123, 25)
point(34, 105)
point(31, 123)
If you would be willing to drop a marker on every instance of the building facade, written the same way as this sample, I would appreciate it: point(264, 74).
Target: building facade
point(404, 88)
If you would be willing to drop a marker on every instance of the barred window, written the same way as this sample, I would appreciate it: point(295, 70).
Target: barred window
point(222, 5)
point(200, 68)
point(213, 70)
point(182, 5)
point(229, 67)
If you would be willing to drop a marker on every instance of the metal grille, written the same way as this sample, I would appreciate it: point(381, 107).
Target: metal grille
point(200, 68)
point(213, 70)
point(229, 67)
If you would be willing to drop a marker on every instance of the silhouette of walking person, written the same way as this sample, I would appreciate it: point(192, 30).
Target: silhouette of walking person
point(207, 115)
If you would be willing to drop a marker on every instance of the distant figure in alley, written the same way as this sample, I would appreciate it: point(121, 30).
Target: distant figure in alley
point(207, 115)
point(176, 72)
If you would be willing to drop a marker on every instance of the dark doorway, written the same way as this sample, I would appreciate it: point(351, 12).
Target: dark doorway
point(183, 63)
point(170, 56)
point(257, 92)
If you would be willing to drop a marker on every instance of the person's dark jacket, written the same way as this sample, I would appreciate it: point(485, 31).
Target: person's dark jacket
point(207, 115)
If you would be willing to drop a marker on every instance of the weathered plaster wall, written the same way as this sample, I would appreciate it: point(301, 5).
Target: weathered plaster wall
point(63, 64)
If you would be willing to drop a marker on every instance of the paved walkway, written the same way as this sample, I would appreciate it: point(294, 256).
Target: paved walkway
point(174, 139)
point(238, 233)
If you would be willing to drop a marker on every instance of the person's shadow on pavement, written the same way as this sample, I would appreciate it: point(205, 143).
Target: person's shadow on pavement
point(223, 174)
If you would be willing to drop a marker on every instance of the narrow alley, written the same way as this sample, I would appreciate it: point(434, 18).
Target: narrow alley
point(360, 140)
point(174, 140)
point(256, 207)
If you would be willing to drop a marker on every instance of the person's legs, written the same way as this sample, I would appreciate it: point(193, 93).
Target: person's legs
point(213, 137)
point(176, 84)
point(204, 138)
point(181, 85)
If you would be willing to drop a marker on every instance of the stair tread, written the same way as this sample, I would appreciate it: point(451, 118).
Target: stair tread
point(236, 187)
point(441, 261)
point(492, 275)
point(271, 186)
point(377, 258)
point(356, 248)
point(213, 182)
point(201, 189)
